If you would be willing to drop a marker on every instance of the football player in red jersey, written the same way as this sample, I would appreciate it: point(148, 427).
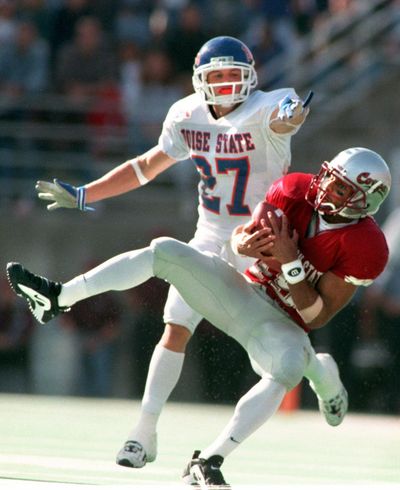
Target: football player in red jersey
point(332, 201)
point(335, 247)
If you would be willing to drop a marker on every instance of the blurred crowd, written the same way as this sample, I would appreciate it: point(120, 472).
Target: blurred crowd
point(99, 76)
point(124, 62)
point(81, 47)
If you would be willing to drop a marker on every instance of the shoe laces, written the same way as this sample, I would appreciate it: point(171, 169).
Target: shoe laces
point(334, 405)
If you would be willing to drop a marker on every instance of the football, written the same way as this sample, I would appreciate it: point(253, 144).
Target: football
point(261, 212)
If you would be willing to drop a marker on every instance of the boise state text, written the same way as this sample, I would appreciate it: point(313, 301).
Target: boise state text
point(225, 143)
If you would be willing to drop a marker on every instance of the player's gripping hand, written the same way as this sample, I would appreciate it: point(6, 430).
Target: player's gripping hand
point(63, 195)
point(252, 241)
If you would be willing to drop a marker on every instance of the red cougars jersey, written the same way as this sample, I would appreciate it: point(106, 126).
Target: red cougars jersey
point(356, 252)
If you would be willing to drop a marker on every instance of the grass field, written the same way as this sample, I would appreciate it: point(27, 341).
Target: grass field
point(51, 442)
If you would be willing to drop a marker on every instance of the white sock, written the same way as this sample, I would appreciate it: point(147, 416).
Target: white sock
point(164, 371)
point(122, 272)
point(323, 376)
point(251, 412)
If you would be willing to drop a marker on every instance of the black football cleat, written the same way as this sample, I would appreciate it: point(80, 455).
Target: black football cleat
point(40, 293)
point(205, 473)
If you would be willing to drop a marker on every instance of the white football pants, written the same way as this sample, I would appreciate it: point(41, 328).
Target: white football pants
point(277, 347)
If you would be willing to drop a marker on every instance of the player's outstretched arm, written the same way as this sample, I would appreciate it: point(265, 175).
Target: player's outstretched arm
point(124, 178)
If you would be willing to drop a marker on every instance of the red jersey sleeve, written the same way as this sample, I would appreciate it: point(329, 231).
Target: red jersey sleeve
point(364, 253)
point(289, 188)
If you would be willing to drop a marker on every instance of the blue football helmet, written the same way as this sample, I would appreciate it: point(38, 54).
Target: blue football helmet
point(224, 52)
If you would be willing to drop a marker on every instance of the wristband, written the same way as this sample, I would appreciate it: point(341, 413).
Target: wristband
point(81, 198)
point(293, 272)
point(139, 174)
point(311, 312)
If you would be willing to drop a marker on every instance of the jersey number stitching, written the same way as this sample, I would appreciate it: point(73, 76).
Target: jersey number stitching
point(241, 166)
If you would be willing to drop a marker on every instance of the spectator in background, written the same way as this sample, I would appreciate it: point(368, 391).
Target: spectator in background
point(132, 24)
point(24, 72)
point(8, 22)
point(38, 12)
point(15, 330)
point(267, 48)
point(304, 13)
point(86, 65)
point(228, 17)
point(86, 72)
point(105, 11)
point(64, 22)
point(158, 90)
point(130, 65)
point(24, 63)
point(184, 39)
point(97, 326)
point(277, 13)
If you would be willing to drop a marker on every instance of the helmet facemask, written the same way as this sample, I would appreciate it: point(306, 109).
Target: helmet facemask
point(209, 91)
point(354, 203)
point(224, 53)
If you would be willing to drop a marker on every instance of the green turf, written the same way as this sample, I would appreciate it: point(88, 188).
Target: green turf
point(70, 440)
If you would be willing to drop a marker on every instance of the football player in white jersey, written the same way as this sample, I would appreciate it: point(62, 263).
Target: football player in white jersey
point(239, 140)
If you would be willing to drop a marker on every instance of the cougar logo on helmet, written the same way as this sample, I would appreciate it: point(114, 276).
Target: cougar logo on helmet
point(376, 185)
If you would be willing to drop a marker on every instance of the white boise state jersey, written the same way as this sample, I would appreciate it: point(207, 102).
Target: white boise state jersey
point(237, 156)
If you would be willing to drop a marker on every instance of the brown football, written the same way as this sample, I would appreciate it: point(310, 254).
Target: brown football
point(261, 212)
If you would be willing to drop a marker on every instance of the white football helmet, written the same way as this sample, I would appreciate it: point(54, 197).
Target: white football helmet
point(224, 52)
point(364, 172)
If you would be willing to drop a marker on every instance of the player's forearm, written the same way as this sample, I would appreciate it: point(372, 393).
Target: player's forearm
point(118, 181)
point(309, 304)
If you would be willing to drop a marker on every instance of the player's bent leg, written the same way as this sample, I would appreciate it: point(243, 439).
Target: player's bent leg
point(47, 299)
point(252, 410)
point(206, 282)
point(324, 378)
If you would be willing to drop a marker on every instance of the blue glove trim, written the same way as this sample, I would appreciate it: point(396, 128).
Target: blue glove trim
point(81, 199)
point(78, 193)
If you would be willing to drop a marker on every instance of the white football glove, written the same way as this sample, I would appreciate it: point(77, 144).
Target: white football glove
point(289, 108)
point(63, 195)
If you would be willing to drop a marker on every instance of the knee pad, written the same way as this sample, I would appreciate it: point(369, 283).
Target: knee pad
point(164, 250)
point(285, 365)
point(160, 244)
point(291, 367)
